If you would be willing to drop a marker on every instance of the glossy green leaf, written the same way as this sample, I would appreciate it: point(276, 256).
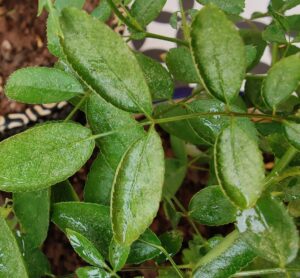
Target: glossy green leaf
point(91, 272)
point(180, 64)
point(141, 251)
point(11, 261)
point(104, 117)
point(282, 80)
point(159, 80)
point(42, 85)
point(241, 179)
point(32, 210)
point(229, 6)
point(137, 189)
point(104, 61)
point(171, 242)
point(274, 33)
point(118, 254)
point(211, 207)
point(222, 71)
point(225, 259)
point(43, 155)
point(270, 231)
point(145, 11)
point(175, 171)
point(61, 4)
point(85, 249)
point(292, 132)
point(63, 192)
point(253, 38)
point(90, 220)
point(102, 11)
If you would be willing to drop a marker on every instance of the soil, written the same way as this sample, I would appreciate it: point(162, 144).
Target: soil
point(23, 43)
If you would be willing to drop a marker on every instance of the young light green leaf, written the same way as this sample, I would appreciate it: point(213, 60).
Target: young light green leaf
point(90, 220)
point(102, 11)
point(270, 231)
point(145, 11)
point(229, 6)
point(137, 188)
point(32, 210)
point(180, 64)
point(11, 261)
point(158, 78)
point(282, 80)
point(91, 272)
point(61, 4)
point(241, 179)
point(104, 61)
point(42, 85)
point(292, 132)
point(225, 259)
point(104, 117)
point(85, 249)
point(43, 155)
point(118, 255)
point(221, 71)
point(141, 251)
point(211, 207)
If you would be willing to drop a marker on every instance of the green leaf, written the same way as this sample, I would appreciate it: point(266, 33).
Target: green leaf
point(253, 38)
point(194, 252)
point(292, 132)
point(63, 192)
point(53, 34)
point(171, 213)
point(102, 11)
point(90, 220)
point(282, 80)
point(250, 55)
point(141, 251)
point(225, 259)
point(43, 155)
point(104, 61)
point(270, 231)
point(274, 33)
point(42, 85)
point(91, 272)
point(229, 6)
point(241, 179)
point(145, 11)
point(118, 255)
point(61, 4)
point(157, 77)
point(178, 147)
point(175, 171)
point(210, 207)
point(104, 117)
point(180, 64)
point(32, 209)
point(41, 5)
point(85, 249)
point(11, 261)
point(222, 71)
point(171, 242)
point(137, 189)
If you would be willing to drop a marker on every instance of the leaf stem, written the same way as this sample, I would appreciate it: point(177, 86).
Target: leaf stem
point(165, 252)
point(77, 107)
point(165, 38)
point(185, 27)
point(274, 53)
point(265, 272)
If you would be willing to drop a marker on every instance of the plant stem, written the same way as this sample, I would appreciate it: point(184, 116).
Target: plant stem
point(165, 38)
point(127, 22)
point(280, 165)
point(77, 107)
point(192, 223)
point(259, 272)
point(185, 27)
point(274, 53)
